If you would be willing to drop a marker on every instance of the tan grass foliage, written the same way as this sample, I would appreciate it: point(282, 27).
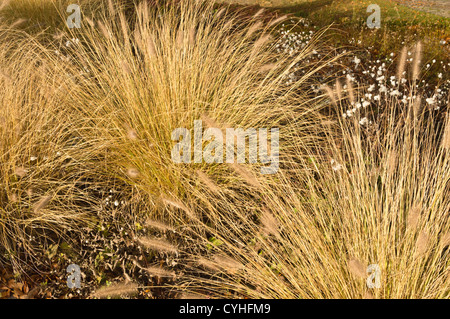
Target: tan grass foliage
point(281, 236)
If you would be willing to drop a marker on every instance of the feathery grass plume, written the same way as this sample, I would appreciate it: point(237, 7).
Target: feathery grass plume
point(269, 222)
point(192, 36)
point(4, 3)
point(220, 12)
point(178, 204)
point(445, 241)
point(268, 67)
point(413, 216)
point(258, 13)
point(133, 173)
point(330, 94)
point(112, 11)
point(104, 30)
point(126, 67)
point(159, 225)
point(392, 162)
point(368, 295)
point(422, 243)
point(158, 245)
point(402, 63)
point(357, 268)
point(208, 182)
point(264, 39)
point(17, 23)
point(42, 203)
point(350, 90)
point(160, 272)
point(13, 198)
point(246, 174)
point(180, 38)
point(90, 22)
point(417, 60)
point(446, 138)
point(278, 20)
point(116, 290)
point(124, 27)
point(211, 123)
point(338, 89)
point(227, 263)
point(190, 296)
point(254, 28)
point(207, 263)
point(20, 171)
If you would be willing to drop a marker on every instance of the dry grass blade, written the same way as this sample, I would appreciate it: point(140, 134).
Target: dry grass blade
point(42, 203)
point(208, 182)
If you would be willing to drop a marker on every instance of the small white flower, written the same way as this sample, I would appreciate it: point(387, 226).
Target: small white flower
point(440, 75)
point(364, 121)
